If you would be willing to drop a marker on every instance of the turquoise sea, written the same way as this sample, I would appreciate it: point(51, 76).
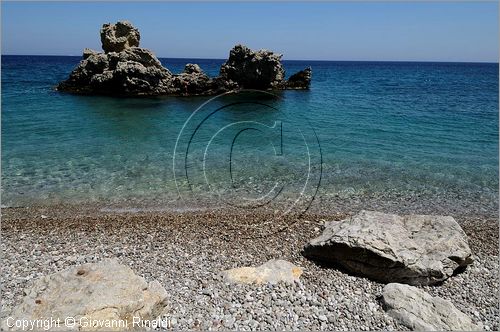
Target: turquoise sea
point(424, 134)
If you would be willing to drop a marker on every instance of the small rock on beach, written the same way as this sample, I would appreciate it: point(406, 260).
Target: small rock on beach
point(273, 271)
point(418, 310)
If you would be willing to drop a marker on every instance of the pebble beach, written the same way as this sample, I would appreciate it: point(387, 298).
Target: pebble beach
point(186, 251)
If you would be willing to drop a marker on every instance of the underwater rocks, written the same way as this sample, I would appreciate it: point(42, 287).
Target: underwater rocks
point(125, 69)
point(412, 249)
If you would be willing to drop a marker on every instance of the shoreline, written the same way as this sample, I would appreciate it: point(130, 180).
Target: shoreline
point(186, 250)
point(321, 204)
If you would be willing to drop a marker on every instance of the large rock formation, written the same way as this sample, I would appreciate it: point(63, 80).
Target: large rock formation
point(133, 71)
point(414, 249)
point(95, 295)
point(273, 271)
point(254, 70)
point(418, 310)
point(126, 69)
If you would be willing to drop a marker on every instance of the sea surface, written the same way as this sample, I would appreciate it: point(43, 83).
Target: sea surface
point(402, 132)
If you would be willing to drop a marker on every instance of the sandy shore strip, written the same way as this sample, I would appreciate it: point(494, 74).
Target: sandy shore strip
point(185, 251)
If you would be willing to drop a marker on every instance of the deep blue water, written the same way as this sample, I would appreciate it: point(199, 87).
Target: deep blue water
point(386, 129)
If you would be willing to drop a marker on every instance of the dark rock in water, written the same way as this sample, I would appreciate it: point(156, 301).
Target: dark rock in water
point(119, 36)
point(134, 71)
point(254, 70)
point(125, 69)
point(193, 81)
point(137, 71)
point(300, 80)
point(261, 70)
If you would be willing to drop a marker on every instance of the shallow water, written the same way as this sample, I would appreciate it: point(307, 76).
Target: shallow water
point(422, 130)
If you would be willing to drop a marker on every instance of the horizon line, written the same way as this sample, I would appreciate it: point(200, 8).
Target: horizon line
point(316, 60)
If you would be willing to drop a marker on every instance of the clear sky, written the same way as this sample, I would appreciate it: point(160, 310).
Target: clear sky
point(323, 31)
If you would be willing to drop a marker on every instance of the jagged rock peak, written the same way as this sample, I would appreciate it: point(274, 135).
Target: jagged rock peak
point(254, 69)
point(192, 68)
point(120, 36)
point(88, 52)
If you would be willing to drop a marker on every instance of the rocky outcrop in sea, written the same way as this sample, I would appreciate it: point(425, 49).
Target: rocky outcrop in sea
point(125, 69)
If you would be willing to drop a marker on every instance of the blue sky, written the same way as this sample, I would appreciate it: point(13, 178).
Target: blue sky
point(323, 31)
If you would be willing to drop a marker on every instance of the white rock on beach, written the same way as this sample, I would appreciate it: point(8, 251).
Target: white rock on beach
point(95, 295)
point(418, 310)
point(412, 249)
point(273, 271)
